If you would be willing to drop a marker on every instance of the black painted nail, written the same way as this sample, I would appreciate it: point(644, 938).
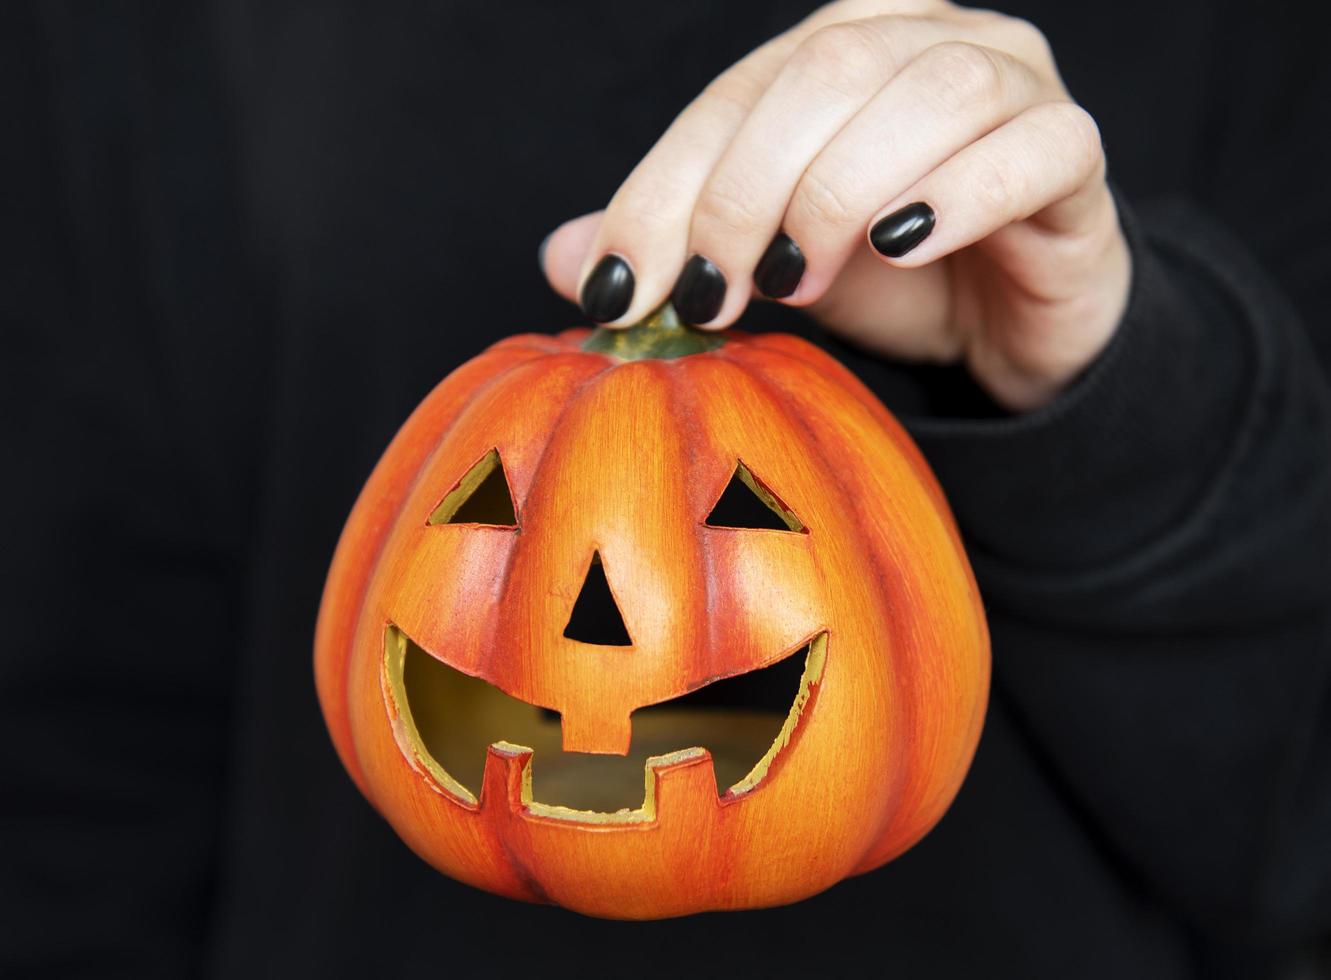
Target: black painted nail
point(540, 250)
point(780, 269)
point(699, 291)
point(902, 230)
point(608, 290)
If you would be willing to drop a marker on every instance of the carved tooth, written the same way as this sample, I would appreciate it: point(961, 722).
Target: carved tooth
point(507, 779)
point(683, 784)
point(604, 734)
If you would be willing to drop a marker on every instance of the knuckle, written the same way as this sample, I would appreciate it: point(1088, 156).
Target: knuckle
point(983, 19)
point(844, 57)
point(1013, 34)
point(734, 92)
point(646, 206)
point(996, 186)
point(1026, 40)
point(728, 203)
point(824, 201)
point(1069, 139)
point(1083, 133)
point(961, 74)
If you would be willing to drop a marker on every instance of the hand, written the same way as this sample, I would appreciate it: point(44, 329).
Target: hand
point(911, 171)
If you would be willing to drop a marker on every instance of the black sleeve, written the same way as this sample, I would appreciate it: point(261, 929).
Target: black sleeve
point(1153, 549)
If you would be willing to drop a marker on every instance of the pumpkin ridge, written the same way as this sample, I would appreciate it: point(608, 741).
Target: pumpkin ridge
point(542, 343)
point(380, 542)
point(715, 572)
point(900, 436)
point(925, 794)
point(485, 653)
point(774, 390)
point(495, 381)
point(682, 391)
point(581, 389)
point(857, 389)
point(391, 524)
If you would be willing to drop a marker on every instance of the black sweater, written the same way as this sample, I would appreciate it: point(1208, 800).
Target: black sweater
point(242, 240)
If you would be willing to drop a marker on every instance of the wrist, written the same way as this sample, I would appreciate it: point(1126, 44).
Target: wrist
point(1126, 449)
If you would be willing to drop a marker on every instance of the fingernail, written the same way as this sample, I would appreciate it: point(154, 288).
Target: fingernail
point(780, 269)
point(699, 291)
point(902, 230)
point(608, 290)
point(540, 250)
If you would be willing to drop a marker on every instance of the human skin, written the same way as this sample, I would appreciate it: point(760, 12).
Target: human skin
point(862, 109)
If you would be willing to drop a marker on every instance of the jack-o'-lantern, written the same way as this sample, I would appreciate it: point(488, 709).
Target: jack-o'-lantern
point(787, 679)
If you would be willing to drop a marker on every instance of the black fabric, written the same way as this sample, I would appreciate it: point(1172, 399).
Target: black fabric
point(241, 240)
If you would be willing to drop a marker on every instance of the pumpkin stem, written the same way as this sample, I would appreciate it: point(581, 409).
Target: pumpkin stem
point(661, 334)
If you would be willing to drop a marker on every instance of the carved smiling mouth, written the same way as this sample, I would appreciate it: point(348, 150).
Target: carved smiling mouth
point(448, 718)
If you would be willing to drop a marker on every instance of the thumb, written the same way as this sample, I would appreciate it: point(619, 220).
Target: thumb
point(564, 249)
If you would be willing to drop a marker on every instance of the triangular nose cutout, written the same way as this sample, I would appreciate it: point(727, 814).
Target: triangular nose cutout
point(595, 617)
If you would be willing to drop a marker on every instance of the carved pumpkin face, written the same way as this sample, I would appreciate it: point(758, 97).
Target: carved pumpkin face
point(835, 620)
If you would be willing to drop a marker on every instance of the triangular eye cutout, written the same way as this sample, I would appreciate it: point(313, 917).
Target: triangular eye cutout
point(596, 617)
point(746, 503)
point(481, 497)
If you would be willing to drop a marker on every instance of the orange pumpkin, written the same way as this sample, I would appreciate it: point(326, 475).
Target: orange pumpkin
point(550, 470)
